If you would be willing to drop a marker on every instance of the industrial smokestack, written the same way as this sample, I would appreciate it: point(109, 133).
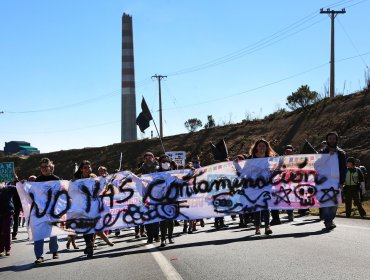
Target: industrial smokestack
point(128, 110)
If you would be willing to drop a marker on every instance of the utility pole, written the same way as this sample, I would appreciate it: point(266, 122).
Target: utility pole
point(332, 14)
point(159, 78)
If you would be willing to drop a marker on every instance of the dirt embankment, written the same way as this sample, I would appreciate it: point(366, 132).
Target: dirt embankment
point(348, 115)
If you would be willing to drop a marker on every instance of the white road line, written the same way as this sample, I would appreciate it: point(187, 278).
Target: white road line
point(167, 268)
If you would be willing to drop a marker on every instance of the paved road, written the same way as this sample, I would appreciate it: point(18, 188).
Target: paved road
point(298, 250)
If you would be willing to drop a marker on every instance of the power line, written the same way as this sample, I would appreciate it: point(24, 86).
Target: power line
point(263, 43)
point(65, 130)
point(262, 86)
point(83, 102)
point(353, 44)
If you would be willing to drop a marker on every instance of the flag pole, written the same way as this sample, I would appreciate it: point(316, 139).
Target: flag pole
point(145, 116)
point(120, 162)
point(160, 138)
point(309, 144)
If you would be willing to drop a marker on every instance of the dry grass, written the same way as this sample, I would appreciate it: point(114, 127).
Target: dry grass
point(341, 212)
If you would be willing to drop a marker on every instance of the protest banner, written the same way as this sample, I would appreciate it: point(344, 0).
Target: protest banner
point(227, 188)
point(7, 172)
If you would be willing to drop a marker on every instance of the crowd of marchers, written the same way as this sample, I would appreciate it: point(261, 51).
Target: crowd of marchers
point(352, 183)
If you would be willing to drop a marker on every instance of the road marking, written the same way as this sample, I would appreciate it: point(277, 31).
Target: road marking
point(167, 268)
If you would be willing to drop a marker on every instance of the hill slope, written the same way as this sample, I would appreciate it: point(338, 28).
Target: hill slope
point(348, 115)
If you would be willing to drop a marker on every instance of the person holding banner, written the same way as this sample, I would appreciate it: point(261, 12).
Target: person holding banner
point(260, 149)
point(46, 168)
point(166, 225)
point(244, 218)
point(85, 171)
point(150, 165)
point(332, 148)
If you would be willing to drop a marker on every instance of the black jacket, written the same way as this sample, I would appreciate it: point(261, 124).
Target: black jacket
point(6, 200)
point(43, 178)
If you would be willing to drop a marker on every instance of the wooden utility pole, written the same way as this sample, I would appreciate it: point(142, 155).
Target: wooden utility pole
point(332, 14)
point(159, 78)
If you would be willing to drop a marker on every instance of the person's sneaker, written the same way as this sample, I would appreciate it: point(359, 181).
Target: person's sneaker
point(39, 260)
point(330, 226)
point(137, 235)
point(143, 234)
point(258, 231)
point(55, 256)
point(7, 253)
point(170, 240)
point(202, 223)
point(117, 232)
point(163, 243)
point(14, 238)
point(149, 241)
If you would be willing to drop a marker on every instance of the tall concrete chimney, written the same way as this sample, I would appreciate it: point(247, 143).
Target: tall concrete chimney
point(128, 110)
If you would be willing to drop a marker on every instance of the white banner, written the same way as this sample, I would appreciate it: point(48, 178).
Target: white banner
point(125, 200)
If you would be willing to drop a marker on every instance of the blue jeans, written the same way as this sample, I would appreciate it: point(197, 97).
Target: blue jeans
point(38, 246)
point(328, 214)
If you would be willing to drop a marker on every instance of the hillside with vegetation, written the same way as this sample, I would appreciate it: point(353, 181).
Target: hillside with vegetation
point(348, 115)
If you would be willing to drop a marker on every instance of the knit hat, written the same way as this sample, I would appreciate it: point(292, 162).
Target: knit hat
point(351, 159)
point(149, 154)
point(164, 156)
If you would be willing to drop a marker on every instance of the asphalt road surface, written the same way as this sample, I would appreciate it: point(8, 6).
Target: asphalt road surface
point(297, 250)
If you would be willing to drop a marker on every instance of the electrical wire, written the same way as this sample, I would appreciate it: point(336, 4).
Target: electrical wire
point(262, 86)
point(353, 44)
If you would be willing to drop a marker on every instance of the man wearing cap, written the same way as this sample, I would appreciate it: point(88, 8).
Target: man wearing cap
point(150, 165)
point(354, 179)
point(332, 148)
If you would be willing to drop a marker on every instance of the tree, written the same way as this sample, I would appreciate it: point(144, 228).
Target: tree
point(210, 123)
point(193, 124)
point(302, 98)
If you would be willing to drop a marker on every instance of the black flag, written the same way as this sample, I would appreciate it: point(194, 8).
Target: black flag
point(219, 150)
point(144, 117)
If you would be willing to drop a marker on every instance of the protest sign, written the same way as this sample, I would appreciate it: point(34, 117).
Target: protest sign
point(227, 188)
point(178, 156)
point(7, 172)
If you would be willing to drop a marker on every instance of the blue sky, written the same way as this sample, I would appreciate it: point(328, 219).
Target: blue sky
point(60, 71)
